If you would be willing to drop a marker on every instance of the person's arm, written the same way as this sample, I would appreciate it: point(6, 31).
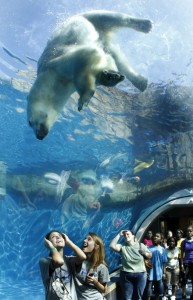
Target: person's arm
point(114, 243)
point(80, 254)
point(100, 286)
point(148, 254)
point(145, 242)
point(44, 264)
point(57, 259)
point(182, 256)
point(144, 251)
point(164, 268)
point(100, 283)
point(164, 260)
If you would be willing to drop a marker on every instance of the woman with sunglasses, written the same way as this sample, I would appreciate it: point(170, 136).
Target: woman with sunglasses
point(187, 260)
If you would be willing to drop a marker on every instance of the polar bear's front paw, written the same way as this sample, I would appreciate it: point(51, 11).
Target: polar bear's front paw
point(110, 78)
point(141, 25)
point(80, 105)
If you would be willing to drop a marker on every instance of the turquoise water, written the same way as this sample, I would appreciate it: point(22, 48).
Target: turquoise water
point(109, 152)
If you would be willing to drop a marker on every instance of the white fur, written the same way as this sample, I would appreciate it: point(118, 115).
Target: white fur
point(76, 55)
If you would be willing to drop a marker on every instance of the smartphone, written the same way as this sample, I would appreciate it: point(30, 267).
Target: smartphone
point(91, 274)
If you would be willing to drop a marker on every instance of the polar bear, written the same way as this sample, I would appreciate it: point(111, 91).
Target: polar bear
point(79, 56)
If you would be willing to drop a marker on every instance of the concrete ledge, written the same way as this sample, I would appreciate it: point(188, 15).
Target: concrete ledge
point(113, 289)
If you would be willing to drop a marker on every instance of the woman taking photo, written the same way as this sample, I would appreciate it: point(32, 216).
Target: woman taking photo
point(133, 274)
point(92, 275)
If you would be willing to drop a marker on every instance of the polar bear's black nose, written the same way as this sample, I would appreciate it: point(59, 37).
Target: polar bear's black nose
point(40, 137)
point(41, 132)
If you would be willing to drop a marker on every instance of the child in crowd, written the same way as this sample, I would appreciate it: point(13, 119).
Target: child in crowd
point(187, 260)
point(179, 237)
point(158, 259)
point(148, 238)
point(172, 268)
point(169, 234)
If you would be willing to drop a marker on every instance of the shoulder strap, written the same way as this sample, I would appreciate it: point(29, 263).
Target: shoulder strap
point(140, 246)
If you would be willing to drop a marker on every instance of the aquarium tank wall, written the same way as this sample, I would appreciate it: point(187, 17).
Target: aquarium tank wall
point(117, 163)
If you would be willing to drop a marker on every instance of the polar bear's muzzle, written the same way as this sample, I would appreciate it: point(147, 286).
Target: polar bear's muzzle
point(42, 132)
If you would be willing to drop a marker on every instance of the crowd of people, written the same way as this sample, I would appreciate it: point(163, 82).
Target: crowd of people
point(85, 274)
point(172, 264)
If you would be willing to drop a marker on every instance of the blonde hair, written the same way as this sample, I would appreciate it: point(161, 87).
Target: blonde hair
point(98, 254)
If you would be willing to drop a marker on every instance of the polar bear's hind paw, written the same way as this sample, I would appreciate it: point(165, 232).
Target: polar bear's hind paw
point(140, 82)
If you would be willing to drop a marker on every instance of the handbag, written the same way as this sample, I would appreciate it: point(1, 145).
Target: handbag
point(58, 286)
point(147, 261)
point(60, 290)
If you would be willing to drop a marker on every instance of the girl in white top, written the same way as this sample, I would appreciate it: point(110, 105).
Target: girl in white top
point(172, 267)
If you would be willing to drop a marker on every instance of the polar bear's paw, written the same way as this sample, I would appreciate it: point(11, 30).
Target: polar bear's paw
point(82, 104)
point(140, 82)
point(110, 78)
point(141, 25)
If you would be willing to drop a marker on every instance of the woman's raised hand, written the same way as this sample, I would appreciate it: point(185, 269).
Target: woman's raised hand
point(48, 244)
point(66, 238)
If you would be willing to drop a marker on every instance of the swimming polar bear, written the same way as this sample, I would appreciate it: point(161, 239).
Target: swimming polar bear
point(78, 57)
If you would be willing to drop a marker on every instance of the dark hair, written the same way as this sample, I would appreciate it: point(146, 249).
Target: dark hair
point(180, 230)
point(134, 237)
point(48, 234)
point(161, 235)
point(171, 239)
point(129, 231)
point(148, 231)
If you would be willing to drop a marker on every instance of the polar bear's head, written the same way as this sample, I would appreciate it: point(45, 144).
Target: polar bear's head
point(42, 111)
point(38, 120)
point(41, 118)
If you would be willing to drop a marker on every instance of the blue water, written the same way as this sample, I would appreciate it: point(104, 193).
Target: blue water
point(112, 136)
